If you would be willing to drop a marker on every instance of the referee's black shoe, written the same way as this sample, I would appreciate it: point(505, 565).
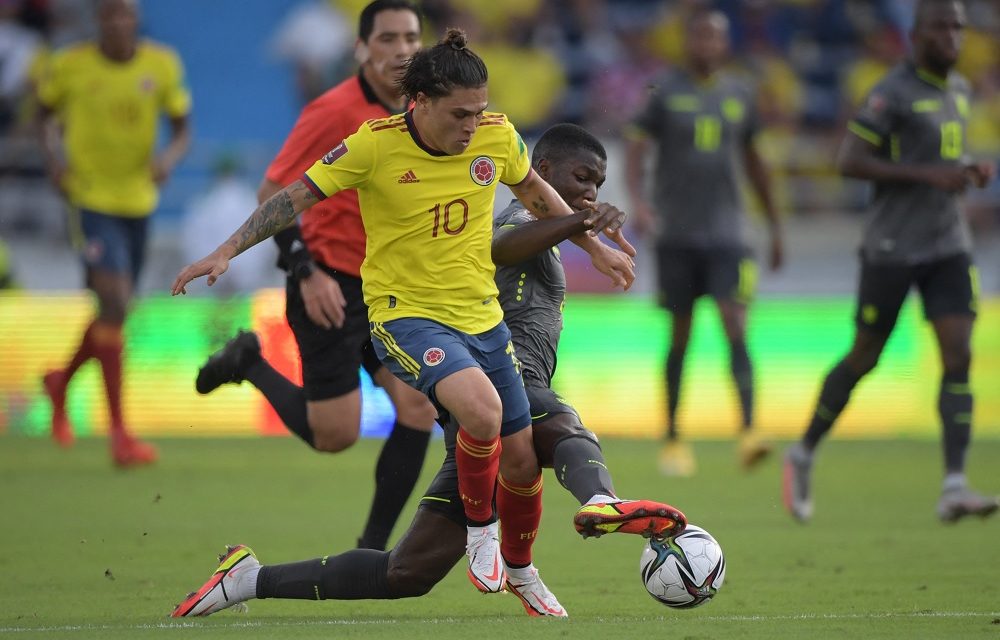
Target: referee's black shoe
point(228, 363)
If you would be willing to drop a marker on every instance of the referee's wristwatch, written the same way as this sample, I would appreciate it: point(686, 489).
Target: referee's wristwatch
point(303, 270)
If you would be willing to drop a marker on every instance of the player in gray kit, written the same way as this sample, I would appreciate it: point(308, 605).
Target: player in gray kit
point(532, 287)
point(702, 124)
point(908, 138)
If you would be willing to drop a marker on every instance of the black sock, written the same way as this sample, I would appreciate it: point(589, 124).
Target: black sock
point(955, 405)
point(743, 376)
point(832, 399)
point(288, 400)
point(579, 466)
point(356, 575)
point(396, 473)
point(675, 363)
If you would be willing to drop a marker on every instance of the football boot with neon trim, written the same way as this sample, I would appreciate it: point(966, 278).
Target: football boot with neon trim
point(646, 518)
point(222, 590)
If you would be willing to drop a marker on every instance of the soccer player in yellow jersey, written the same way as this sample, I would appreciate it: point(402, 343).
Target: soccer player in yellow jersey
point(101, 104)
point(426, 182)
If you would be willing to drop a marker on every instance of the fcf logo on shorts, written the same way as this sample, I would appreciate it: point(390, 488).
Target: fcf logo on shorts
point(483, 170)
point(433, 356)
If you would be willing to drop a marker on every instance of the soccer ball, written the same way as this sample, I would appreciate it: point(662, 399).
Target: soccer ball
point(684, 571)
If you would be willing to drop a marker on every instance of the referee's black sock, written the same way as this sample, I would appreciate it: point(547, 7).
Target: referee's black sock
point(743, 377)
point(579, 466)
point(288, 399)
point(674, 366)
point(396, 474)
point(832, 399)
point(356, 575)
point(955, 405)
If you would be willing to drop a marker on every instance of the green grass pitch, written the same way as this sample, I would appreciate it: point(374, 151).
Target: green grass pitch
point(87, 551)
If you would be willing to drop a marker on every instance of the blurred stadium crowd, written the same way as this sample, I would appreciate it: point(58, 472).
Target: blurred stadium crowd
point(583, 61)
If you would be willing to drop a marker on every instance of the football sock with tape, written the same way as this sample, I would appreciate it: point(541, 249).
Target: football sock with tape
point(287, 398)
point(519, 507)
point(579, 466)
point(355, 575)
point(955, 406)
point(742, 370)
point(674, 368)
point(832, 399)
point(396, 473)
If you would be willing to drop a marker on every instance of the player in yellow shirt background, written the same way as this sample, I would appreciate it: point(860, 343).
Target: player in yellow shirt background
point(426, 182)
point(101, 106)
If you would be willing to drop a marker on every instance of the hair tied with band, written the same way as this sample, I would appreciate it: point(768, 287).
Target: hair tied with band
point(456, 39)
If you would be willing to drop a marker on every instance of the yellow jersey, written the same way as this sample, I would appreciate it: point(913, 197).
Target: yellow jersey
point(110, 113)
point(428, 217)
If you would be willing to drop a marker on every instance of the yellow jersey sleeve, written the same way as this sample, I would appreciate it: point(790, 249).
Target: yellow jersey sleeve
point(518, 161)
point(349, 165)
point(175, 99)
point(51, 85)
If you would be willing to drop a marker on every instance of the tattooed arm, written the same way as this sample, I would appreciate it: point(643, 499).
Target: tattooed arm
point(273, 215)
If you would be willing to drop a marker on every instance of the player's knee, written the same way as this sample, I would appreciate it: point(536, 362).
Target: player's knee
point(113, 311)
point(483, 420)
point(521, 469)
point(957, 360)
point(419, 413)
point(333, 438)
point(408, 580)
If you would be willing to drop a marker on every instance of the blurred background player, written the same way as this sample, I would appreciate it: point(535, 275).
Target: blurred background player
point(101, 105)
point(532, 288)
point(908, 138)
point(701, 122)
point(325, 309)
point(427, 276)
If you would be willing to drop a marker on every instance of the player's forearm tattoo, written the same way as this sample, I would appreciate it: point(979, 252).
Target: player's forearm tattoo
point(276, 213)
point(539, 206)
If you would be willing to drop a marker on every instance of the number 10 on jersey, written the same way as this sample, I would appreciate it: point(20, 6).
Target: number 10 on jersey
point(446, 217)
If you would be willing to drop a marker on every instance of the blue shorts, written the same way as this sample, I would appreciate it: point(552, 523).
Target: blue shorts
point(113, 243)
point(422, 352)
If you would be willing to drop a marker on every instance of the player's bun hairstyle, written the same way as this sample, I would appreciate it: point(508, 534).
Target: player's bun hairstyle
point(438, 70)
point(565, 140)
point(366, 23)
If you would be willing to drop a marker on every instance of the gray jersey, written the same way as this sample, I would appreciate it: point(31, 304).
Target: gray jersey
point(699, 130)
point(914, 117)
point(532, 295)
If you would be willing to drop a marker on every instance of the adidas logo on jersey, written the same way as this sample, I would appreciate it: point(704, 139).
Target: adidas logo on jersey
point(408, 177)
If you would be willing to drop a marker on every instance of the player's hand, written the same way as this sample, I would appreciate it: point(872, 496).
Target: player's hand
point(324, 300)
point(615, 264)
point(981, 173)
point(160, 170)
point(950, 178)
point(609, 219)
point(213, 265)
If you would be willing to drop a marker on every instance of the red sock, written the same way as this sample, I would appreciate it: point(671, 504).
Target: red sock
point(107, 348)
point(520, 511)
point(478, 462)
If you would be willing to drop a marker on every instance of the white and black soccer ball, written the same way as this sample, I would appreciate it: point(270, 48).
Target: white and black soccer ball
point(684, 571)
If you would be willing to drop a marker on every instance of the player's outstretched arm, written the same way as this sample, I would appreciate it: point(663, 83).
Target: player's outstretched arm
point(274, 214)
point(516, 243)
point(544, 202)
